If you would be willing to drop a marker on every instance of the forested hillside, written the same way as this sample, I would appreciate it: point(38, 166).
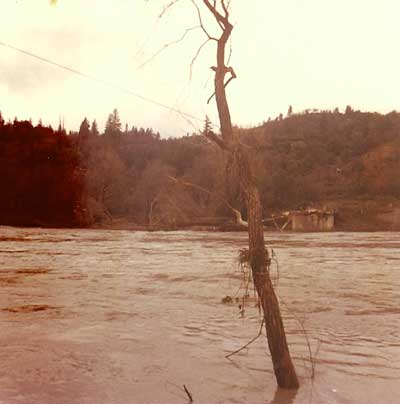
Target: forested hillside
point(90, 178)
point(40, 181)
point(327, 155)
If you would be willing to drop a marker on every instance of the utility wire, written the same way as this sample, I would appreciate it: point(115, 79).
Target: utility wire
point(103, 82)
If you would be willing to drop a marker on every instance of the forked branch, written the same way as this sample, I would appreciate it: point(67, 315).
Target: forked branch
point(233, 76)
point(222, 20)
point(201, 22)
point(225, 8)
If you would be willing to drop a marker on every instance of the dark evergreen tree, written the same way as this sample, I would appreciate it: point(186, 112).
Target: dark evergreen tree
point(94, 130)
point(84, 130)
point(207, 125)
point(113, 124)
point(60, 128)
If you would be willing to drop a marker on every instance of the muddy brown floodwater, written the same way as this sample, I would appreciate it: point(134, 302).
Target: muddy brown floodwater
point(90, 316)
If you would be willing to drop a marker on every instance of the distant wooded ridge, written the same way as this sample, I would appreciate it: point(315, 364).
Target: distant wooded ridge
point(315, 158)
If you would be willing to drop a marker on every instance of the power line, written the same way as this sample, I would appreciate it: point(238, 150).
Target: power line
point(101, 81)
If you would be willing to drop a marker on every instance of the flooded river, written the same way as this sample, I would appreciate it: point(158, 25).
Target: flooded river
point(93, 316)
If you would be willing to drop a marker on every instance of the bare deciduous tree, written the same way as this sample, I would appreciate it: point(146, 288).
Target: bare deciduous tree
point(259, 259)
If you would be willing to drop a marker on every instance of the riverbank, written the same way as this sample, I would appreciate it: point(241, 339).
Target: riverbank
point(378, 214)
point(351, 215)
point(363, 215)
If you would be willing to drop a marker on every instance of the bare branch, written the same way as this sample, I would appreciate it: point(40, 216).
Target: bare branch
point(238, 215)
point(312, 357)
point(222, 21)
point(167, 45)
point(220, 72)
point(196, 56)
point(225, 8)
point(199, 188)
point(189, 121)
point(249, 343)
point(230, 51)
point(211, 97)
point(233, 76)
point(201, 22)
point(167, 7)
point(239, 219)
point(217, 139)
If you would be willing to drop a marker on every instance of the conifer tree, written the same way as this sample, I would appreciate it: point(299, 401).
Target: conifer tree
point(94, 130)
point(84, 131)
point(113, 125)
point(207, 125)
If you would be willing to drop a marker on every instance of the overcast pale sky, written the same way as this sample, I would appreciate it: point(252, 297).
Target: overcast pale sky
point(307, 53)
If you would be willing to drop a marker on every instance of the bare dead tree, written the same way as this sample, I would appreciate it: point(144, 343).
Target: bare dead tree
point(259, 260)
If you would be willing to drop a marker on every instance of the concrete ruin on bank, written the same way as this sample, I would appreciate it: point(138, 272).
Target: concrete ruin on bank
point(313, 220)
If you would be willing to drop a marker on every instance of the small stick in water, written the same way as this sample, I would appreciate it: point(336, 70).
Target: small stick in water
point(188, 393)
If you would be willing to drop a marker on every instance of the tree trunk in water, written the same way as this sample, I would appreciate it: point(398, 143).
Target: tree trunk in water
point(259, 260)
point(260, 263)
